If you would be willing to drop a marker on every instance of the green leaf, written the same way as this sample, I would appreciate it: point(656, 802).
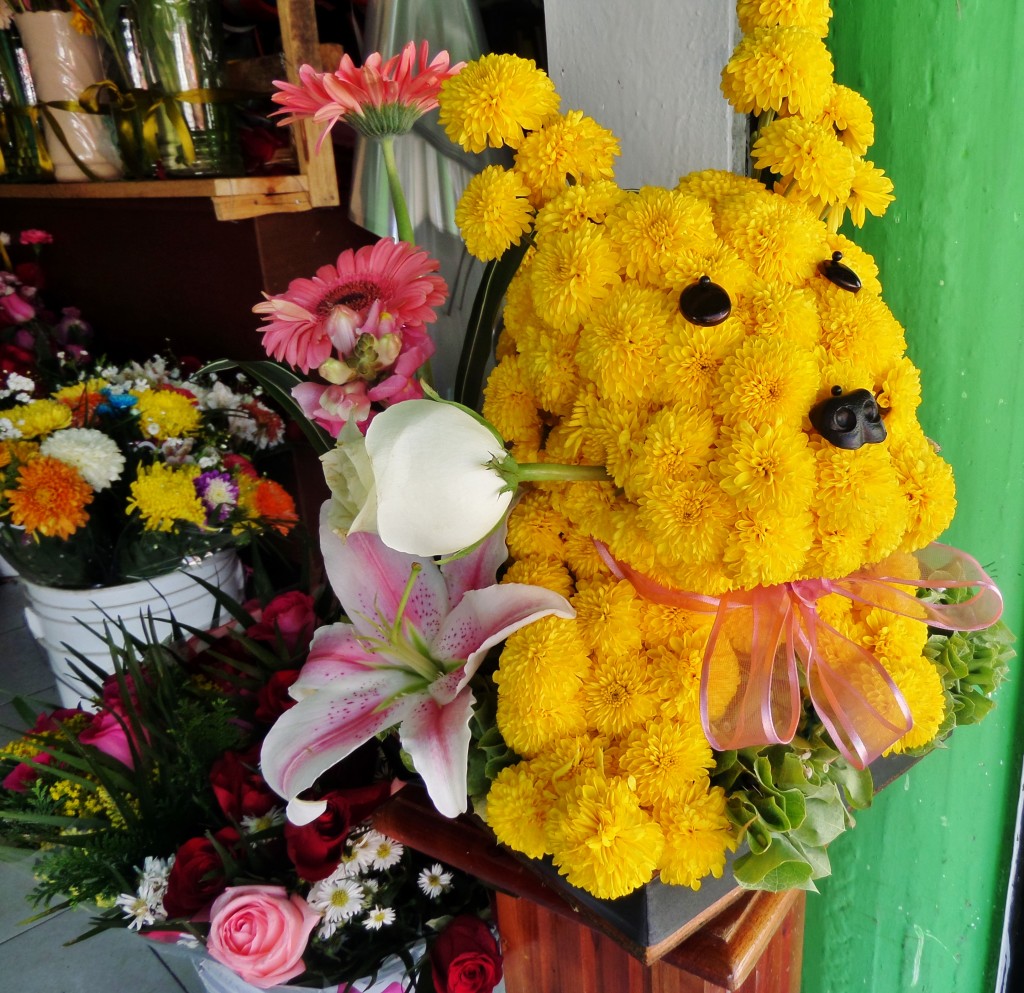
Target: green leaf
point(478, 343)
point(278, 382)
point(781, 867)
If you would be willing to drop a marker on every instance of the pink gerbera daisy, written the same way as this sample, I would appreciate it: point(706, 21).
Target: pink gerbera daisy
point(301, 320)
point(377, 98)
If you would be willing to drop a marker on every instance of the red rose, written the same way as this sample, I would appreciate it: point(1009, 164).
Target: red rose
point(240, 789)
point(273, 700)
point(315, 848)
point(465, 958)
point(197, 876)
point(290, 615)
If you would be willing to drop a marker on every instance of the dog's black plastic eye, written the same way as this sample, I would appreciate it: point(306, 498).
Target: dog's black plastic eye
point(705, 303)
point(835, 270)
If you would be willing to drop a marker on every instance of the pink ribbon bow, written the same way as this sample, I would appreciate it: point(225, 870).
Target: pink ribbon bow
point(854, 696)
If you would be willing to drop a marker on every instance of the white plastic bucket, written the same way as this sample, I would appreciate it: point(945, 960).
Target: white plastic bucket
point(56, 617)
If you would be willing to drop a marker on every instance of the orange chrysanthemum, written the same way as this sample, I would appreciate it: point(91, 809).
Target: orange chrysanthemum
point(274, 504)
point(50, 498)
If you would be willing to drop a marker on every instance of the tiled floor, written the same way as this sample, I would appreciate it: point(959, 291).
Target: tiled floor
point(33, 956)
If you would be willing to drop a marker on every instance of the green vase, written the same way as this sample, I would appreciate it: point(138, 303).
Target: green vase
point(183, 41)
point(23, 154)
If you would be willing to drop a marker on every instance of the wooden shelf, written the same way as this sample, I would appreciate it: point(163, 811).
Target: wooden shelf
point(237, 198)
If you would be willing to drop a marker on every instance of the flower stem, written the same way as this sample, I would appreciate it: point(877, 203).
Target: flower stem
point(547, 472)
point(402, 219)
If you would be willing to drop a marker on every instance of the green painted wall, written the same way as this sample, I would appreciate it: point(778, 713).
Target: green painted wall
point(916, 898)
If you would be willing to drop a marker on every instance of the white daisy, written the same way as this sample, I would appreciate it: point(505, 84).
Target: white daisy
point(378, 917)
point(386, 851)
point(272, 818)
point(94, 454)
point(337, 897)
point(434, 881)
point(137, 908)
point(153, 877)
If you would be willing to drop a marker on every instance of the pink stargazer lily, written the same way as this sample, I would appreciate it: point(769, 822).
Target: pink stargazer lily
point(416, 636)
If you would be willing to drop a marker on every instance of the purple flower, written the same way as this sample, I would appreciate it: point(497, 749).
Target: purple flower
point(219, 494)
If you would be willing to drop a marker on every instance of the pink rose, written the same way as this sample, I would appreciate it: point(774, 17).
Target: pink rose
point(260, 932)
point(108, 734)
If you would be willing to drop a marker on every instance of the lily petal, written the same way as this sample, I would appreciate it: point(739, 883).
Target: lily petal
point(437, 739)
point(326, 727)
point(478, 568)
point(485, 617)
point(370, 579)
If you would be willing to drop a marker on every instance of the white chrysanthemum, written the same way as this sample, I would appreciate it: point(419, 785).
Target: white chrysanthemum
point(378, 917)
point(94, 454)
point(153, 878)
point(434, 881)
point(8, 432)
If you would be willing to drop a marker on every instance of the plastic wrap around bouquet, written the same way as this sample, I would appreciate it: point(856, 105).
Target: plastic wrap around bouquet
point(702, 434)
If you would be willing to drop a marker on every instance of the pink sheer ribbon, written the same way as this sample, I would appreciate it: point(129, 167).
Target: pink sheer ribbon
point(854, 696)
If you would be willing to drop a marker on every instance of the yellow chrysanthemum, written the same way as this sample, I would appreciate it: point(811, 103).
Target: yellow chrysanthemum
point(687, 520)
point(582, 557)
point(807, 154)
point(838, 549)
point(608, 616)
point(870, 192)
point(167, 414)
point(678, 442)
point(767, 380)
point(653, 227)
point(589, 508)
point(519, 312)
point(572, 149)
point(714, 185)
point(50, 498)
point(622, 341)
point(39, 418)
point(781, 241)
point(536, 529)
point(899, 393)
point(714, 259)
point(859, 328)
point(855, 490)
point(509, 405)
point(780, 310)
point(517, 808)
point(891, 638)
point(767, 547)
point(571, 274)
point(811, 14)
point(926, 481)
point(858, 260)
point(920, 682)
point(690, 361)
point(698, 833)
point(494, 101)
point(578, 207)
point(618, 695)
point(602, 841)
point(772, 68)
point(165, 497)
point(493, 212)
point(548, 363)
point(561, 764)
point(665, 758)
point(766, 466)
point(663, 622)
point(849, 115)
point(538, 571)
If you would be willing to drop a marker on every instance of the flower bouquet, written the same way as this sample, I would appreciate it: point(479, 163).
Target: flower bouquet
point(129, 471)
point(152, 810)
point(701, 438)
